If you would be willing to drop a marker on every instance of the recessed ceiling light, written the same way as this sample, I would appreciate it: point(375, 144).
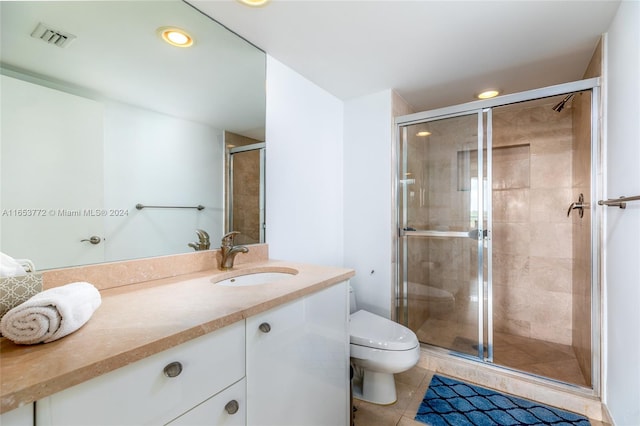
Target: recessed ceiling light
point(489, 93)
point(254, 3)
point(424, 133)
point(175, 36)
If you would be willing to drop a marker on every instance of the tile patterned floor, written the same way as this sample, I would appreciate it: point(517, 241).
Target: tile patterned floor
point(411, 387)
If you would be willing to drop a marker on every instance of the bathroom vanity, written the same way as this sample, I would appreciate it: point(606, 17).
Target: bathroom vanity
point(185, 350)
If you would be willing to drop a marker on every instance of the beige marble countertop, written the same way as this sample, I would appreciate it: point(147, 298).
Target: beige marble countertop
point(138, 320)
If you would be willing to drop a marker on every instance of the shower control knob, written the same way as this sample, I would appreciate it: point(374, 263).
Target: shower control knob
point(232, 406)
point(265, 327)
point(173, 369)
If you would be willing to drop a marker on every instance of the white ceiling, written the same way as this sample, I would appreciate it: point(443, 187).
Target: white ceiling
point(433, 53)
point(118, 55)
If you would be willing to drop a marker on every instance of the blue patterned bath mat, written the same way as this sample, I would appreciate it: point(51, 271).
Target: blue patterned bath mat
point(453, 403)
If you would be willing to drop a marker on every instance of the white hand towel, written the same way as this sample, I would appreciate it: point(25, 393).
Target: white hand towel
point(9, 267)
point(51, 314)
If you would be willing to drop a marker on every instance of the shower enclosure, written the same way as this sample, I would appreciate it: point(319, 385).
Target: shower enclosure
point(245, 192)
point(496, 231)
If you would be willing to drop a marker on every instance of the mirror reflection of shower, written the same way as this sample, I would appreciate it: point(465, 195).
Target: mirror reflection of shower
point(245, 164)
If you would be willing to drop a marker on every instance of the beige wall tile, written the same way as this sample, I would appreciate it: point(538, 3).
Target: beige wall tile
point(511, 238)
point(551, 170)
point(511, 270)
point(551, 274)
point(551, 240)
point(511, 206)
point(550, 204)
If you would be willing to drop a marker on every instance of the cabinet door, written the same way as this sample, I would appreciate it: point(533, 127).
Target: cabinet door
point(142, 393)
point(298, 362)
point(218, 410)
point(22, 416)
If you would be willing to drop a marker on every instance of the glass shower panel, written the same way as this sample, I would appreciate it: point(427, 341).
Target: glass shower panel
point(442, 223)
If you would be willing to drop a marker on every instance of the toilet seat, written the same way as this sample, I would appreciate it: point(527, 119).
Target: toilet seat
point(374, 331)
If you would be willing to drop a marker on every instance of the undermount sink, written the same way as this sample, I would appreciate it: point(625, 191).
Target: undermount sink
point(242, 278)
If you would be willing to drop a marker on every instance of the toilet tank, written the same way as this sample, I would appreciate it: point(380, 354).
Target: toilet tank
point(352, 300)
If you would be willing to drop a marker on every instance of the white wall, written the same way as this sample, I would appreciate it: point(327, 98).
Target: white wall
point(622, 231)
point(51, 161)
point(154, 159)
point(367, 199)
point(303, 169)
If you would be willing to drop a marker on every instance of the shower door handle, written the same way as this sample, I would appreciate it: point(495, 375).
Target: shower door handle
point(474, 233)
point(412, 232)
point(580, 205)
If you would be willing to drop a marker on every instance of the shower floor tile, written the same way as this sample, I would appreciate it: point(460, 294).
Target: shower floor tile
point(547, 359)
point(539, 357)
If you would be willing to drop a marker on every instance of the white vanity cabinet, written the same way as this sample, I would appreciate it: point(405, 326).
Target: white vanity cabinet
point(285, 366)
point(298, 362)
point(21, 416)
point(157, 389)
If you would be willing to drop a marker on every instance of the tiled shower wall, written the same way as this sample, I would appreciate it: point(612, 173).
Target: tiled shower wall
point(581, 288)
point(532, 236)
point(581, 226)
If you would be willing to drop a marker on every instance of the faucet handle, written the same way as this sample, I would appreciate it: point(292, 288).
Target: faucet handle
point(202, 235)
point(227, 239)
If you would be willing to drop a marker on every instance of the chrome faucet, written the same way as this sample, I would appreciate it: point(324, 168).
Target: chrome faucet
point(203, 243)
point(229, 251)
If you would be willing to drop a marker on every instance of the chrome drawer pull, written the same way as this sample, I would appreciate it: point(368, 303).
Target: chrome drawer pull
point(232, 406)
point(265, 327)
point(173, 370)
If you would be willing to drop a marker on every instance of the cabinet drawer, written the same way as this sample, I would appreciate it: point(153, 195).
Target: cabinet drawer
point(214, 411)
point(142, 393)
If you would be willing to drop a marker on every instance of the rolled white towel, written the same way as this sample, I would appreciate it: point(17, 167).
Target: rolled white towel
point(51, 314)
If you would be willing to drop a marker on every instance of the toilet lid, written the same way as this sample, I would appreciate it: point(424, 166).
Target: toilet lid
point(374, 331)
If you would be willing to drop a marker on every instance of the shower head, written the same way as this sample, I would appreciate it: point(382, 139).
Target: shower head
point(560, 105)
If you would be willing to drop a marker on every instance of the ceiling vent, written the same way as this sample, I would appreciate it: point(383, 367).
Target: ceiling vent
point(52, 36)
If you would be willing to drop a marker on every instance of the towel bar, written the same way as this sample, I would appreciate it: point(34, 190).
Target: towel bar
point(618, 202)
point(142, 206)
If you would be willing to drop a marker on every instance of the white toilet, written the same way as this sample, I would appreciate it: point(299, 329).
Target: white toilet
point(379, 349)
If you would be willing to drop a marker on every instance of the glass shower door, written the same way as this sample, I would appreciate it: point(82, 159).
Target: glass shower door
point(443, 224)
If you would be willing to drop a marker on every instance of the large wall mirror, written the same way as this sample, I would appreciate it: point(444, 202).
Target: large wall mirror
point(100, 114)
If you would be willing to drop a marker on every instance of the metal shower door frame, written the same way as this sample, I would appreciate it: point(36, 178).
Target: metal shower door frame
point(593, 85)
point(482, 234)
point(261, 147)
